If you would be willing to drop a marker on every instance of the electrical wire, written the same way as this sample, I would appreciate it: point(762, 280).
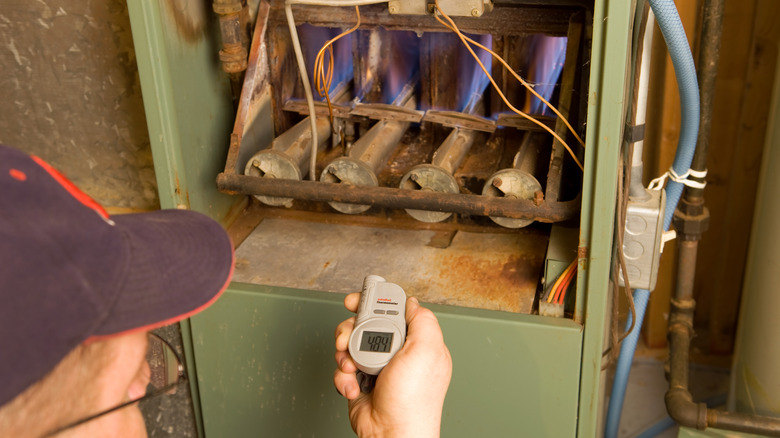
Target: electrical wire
point(564, 288)
point(302, 64)
point(621, 229)
point(452, 26)
point(323, 80)
point(555, 290)
point(466, 40)
point(555, 285)
point(620, 266)
point(306, 88)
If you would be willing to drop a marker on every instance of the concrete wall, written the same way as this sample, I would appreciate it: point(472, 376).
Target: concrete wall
point(71, 95)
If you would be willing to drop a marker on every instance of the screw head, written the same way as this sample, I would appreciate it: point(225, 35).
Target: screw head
point(475, 12)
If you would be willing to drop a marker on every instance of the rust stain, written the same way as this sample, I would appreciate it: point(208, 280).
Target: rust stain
point(505, 279)
point(582, 257)
point(177, 188)
point(188, 18)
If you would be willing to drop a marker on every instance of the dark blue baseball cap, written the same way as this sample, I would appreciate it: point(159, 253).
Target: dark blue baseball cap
point(70, 273)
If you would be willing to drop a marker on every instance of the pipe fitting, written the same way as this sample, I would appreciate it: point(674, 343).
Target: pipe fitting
point(691, 219)
point(683, 410)
point(681, 316)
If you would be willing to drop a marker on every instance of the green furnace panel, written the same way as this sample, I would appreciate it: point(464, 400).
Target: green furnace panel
point(265, 363)
point(263, 356)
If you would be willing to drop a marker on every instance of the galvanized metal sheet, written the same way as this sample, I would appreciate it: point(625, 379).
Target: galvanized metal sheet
point(482, 270)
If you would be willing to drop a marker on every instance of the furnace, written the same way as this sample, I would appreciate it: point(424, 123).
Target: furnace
point(432, 161)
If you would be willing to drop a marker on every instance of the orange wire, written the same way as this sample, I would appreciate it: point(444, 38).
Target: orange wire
point(566, 282)
point(323, 80)
point(453, 27)
point(556, 285)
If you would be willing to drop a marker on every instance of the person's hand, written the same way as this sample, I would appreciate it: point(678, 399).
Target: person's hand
point(409, 394)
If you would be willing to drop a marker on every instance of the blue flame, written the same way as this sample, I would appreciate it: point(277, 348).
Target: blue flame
point(473, 79)
point(402, 65)
point(549, 54)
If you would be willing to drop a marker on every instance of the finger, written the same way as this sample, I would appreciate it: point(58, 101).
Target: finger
point(345, 362)
point(346, 384)
point(421, 321)
point(343, 331)
point(351, 301)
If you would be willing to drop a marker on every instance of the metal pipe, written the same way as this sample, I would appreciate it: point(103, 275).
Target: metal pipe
point(233, 54)
point(289, 152)
point(399, 198)
point(519, 181)
point(438, 176)
point(691, 221)
point(709, 56)
point(368, 154)
point(679, 401)
point(453, 149)
point(287, 156)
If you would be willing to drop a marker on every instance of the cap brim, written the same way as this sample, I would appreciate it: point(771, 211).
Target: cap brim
point(179, 262)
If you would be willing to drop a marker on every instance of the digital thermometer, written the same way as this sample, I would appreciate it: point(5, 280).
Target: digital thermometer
point(380, 326)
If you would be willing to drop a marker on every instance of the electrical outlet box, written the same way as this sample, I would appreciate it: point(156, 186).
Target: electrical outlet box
point(642, 240)
point(453, 8)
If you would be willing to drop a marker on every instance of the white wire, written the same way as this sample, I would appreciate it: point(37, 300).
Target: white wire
point(302, 64)
point(644, 80)
point(306, 88)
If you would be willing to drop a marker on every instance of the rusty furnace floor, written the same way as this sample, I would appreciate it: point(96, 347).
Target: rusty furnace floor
point(497, 271)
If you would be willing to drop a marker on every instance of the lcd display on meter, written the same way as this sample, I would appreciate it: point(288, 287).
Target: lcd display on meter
point(376, 341)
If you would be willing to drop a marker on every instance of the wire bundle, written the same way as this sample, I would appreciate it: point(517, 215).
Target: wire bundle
point(557, 293)
point(323, 77)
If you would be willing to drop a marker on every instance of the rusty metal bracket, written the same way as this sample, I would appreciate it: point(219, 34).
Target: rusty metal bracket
point(523, 124)
point(386, 111)
point(455, 119)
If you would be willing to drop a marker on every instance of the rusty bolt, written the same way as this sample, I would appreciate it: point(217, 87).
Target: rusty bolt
point(497, 182)
point(538, 198)
point(414, 177)
point(475, 12)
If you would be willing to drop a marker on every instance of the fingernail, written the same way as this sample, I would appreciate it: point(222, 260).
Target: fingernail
point(414, 300)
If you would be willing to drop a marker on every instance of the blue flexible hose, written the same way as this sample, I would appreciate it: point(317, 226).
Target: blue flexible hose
point(677, 42)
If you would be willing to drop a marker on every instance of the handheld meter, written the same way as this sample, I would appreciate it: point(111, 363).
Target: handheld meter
point(380, 326)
